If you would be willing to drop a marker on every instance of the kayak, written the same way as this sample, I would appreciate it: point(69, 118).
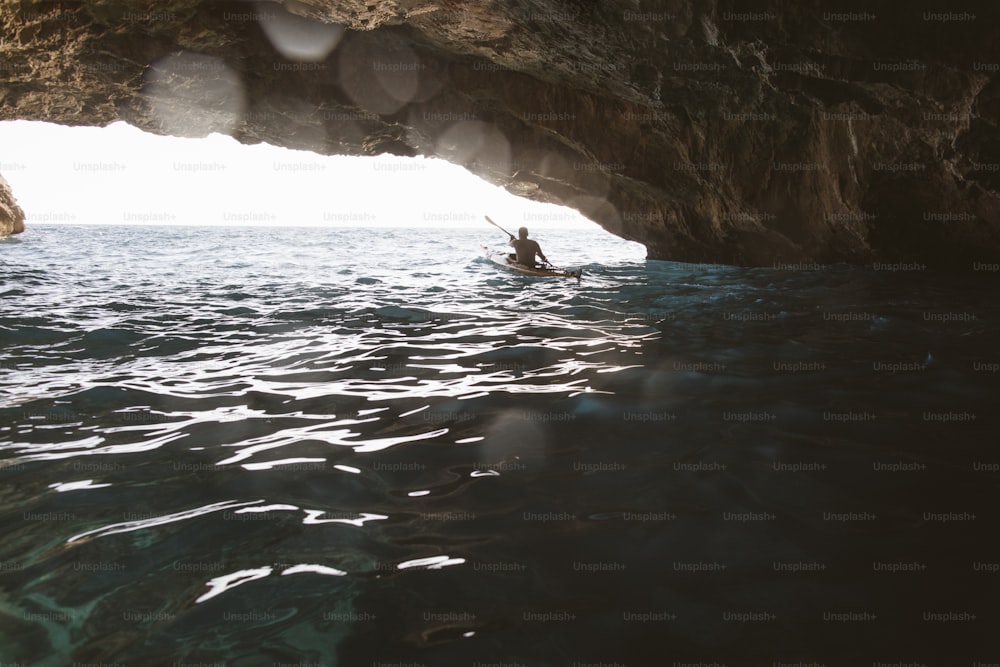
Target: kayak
point(501, 258)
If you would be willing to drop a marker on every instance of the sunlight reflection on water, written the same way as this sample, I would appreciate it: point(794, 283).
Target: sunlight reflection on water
point(415, 447)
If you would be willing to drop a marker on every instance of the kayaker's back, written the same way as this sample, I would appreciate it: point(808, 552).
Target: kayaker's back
point(526, 250)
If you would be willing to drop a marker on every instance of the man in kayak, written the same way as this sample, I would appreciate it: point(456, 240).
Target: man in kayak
point(525, 249)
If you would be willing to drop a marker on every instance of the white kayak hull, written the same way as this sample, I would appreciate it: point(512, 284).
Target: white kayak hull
point(503, 259)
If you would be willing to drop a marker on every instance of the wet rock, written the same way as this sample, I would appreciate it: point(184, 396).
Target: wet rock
point(11, 215)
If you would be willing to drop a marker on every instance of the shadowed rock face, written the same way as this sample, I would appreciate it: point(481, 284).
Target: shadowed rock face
point(781, 131)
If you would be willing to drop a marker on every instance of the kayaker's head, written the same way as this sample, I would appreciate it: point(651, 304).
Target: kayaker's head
point(523, 232)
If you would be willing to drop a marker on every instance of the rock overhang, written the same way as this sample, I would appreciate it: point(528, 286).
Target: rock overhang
point(707, 131)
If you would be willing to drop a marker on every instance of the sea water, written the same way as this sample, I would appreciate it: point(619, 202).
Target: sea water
point(251, 446)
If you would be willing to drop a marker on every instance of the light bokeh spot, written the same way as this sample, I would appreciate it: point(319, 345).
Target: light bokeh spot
point(471, 143)
point(299, 38)
point(193, 95)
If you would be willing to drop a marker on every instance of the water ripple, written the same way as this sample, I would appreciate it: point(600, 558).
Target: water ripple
point(185, 423)
point(131, 526)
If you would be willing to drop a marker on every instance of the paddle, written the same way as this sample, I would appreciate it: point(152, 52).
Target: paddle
point(498, 227)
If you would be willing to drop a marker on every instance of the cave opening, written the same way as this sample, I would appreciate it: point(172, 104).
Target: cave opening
point(120, 174)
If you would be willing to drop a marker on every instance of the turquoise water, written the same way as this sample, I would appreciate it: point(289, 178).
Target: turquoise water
point(360, 447)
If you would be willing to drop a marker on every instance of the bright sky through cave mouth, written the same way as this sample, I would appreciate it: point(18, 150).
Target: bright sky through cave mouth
point(122, 175)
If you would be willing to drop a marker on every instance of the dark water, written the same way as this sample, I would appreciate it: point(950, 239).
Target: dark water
point(306, 446)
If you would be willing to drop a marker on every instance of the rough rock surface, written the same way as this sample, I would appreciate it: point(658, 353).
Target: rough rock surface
point(713, 130)
point(11, 215)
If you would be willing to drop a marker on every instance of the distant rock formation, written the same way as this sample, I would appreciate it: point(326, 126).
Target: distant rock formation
point(706, 130)
point(11, 215)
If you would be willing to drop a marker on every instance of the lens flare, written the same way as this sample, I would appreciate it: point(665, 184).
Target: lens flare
point(475, 145)
point(193, 95)
point(299, 38)
point(381, 77)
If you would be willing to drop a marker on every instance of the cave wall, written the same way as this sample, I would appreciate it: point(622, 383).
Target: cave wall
point(764, 133)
